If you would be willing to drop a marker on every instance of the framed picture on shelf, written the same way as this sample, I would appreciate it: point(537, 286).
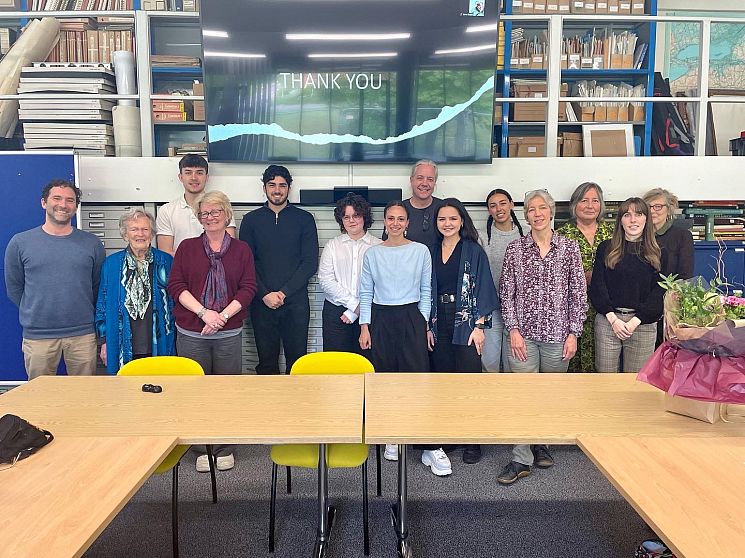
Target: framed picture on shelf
point(608, 140)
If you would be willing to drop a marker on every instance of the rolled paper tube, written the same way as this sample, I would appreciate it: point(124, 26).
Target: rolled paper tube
point(124, 68)
point(127, 138)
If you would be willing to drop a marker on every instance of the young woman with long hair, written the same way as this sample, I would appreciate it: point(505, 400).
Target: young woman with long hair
point(625, 290)
point(502, 227)
point(463, 298)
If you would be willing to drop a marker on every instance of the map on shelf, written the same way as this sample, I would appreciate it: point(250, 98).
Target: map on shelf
point(727, 60)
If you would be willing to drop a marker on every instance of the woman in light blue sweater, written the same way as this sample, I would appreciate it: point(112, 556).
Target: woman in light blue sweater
point(395, 302)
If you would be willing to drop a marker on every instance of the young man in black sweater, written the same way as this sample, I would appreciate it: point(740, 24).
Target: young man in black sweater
point(284, 241)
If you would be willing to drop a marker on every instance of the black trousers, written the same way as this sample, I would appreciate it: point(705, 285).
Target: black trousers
point(399, 339)
point(447, 357)
point(287, 324)
point(338, 336)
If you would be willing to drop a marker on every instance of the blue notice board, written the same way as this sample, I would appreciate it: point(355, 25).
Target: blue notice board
point(22, 177)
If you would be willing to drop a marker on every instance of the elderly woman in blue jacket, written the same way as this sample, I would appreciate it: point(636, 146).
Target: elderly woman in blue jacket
point(134, 314)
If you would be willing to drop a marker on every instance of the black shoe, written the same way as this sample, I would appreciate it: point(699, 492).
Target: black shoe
point(472, 454)
point(512, 472)
point(541, 457)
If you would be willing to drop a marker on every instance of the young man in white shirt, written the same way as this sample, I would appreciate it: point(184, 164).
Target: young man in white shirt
point(176, 220)
point(339, 275)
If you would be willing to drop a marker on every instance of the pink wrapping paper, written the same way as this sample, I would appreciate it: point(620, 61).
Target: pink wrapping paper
point(697, 376)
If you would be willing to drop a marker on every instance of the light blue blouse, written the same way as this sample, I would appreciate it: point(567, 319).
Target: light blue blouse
point(396, 275)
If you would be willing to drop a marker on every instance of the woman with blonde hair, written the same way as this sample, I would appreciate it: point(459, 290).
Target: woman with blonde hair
point(625, 291)
point(212, 282)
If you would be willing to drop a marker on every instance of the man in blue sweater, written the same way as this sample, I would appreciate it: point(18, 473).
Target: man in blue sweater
point(52, 274)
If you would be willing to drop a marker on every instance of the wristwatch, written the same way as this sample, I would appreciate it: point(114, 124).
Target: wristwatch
point(200, 314)
point(225, 315)
point(480, 326)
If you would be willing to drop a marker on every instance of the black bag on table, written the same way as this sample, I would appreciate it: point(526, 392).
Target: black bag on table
point(19, 439)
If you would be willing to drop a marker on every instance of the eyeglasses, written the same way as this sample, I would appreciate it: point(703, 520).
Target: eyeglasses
point(657, 206)
point(348, 218)
point(214, 213)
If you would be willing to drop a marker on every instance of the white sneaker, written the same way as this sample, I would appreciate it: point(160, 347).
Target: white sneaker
point(391, 452)
point(203, 464)
point(225, 462)
point(437, 461)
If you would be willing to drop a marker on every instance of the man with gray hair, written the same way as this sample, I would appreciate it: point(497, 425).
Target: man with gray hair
point(52, 274)
point(422, 205)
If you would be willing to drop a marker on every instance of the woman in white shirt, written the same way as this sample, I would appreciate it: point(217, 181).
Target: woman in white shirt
point(339, 275)
point(395, 302)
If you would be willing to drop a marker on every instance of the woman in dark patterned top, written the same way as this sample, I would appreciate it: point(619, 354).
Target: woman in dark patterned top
point(587, 229)
point(675, 241)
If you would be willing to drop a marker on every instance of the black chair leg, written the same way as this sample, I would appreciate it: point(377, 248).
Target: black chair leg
point(289, 481)
point(377, 460)
point(174, 511)
point(272, 504)
point(364, 508)
point(211, 459)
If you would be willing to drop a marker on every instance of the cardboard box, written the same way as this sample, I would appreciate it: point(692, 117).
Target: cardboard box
point(611, 114)
point(623, 113)
point(636, 113)
point(613, 7)
point(535, 112)
point(552, 7)
point(586, 63)
point(627, 61)
point(608, 143)
point(624, 7)
point(537, 62)
point(564, 6)
point(616, 61)
point(564, 61)
point(637, 7)
point(571, 145)
point(514, 63)
point(159, 116)
point(584, 114)
point(539, 7)
point(601, 113)
point(527, 6)
point(199, 113)
point(517, 6)
point(577, 6)
point(601, 7)
point(529, 146)
point(590, 7)
point(168, 106)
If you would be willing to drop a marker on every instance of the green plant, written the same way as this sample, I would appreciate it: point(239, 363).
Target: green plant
point(695, 304)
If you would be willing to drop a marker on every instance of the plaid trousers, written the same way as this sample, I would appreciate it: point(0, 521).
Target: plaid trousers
point(637, 349)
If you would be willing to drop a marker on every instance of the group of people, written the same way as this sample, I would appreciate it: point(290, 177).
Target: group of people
point(434, 294)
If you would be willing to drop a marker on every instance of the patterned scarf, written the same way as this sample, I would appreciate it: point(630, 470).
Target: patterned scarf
point(215, 289)
point(137, 284)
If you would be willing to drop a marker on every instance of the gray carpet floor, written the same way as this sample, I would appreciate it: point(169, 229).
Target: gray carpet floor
point(570, 510)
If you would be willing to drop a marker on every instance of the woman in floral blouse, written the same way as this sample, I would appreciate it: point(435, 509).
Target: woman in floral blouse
point(587, 229)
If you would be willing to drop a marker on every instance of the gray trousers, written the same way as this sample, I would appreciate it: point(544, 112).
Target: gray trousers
point(542, 357)
point(215, 356)
point(496, 346)
point(637, 349)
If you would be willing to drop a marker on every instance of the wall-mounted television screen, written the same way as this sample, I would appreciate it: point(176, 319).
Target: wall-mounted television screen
point(349, 80)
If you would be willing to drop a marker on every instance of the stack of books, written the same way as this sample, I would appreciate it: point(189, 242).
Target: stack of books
point(79, 5)
point(167, 61)
point(7, 38)
point(83, 124)
point(716, 219)
point(85, 39)
point(199, 148)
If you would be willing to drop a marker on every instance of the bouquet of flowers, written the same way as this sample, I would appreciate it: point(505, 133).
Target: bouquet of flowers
point(704, 356)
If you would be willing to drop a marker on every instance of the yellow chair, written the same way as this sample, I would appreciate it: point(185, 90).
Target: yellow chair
point(171, 366)
point(337, 455)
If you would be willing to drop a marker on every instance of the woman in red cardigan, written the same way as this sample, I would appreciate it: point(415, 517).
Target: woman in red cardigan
point(212, 283)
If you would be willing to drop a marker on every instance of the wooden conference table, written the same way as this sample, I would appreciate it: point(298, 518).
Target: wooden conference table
point(197, 410)
point(690, 491)
point(515, 409)
point(58, 501)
